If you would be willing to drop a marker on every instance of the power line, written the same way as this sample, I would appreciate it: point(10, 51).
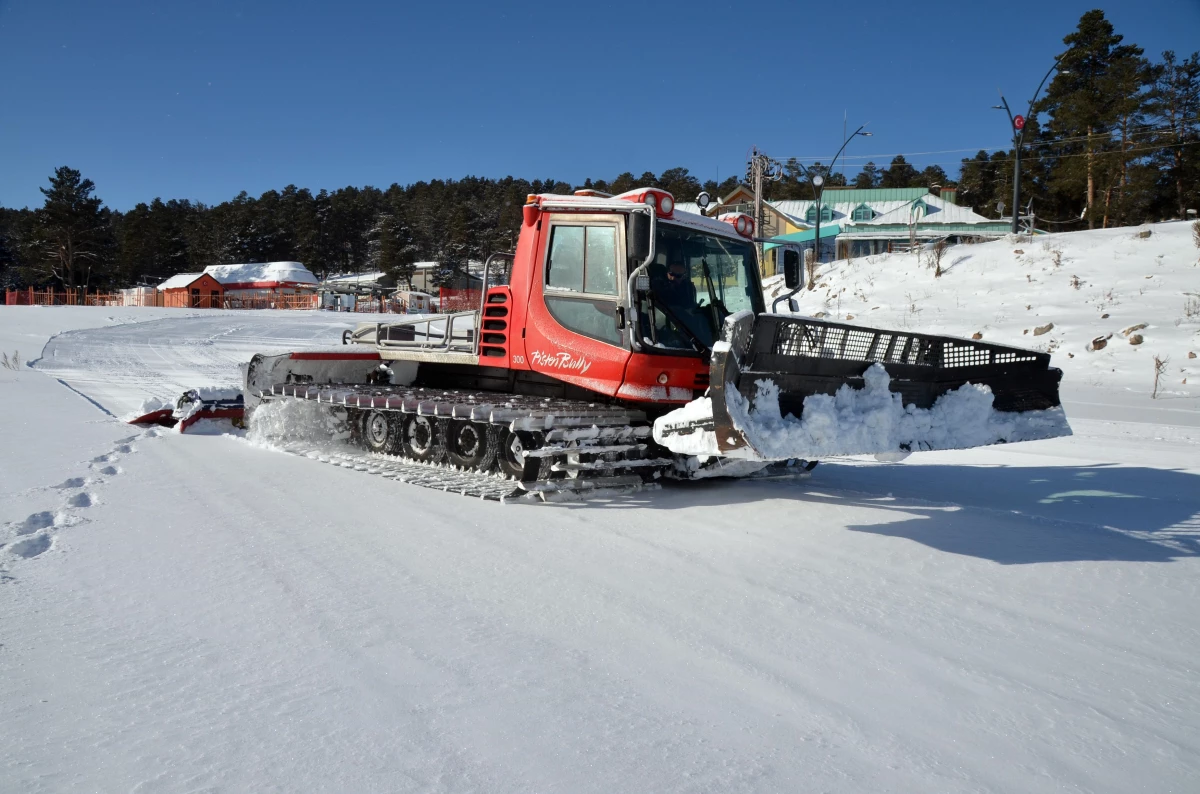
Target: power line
point(1034, 156)
point(1138, 131)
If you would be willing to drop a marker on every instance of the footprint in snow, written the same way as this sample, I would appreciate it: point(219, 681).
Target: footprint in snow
point(81, 500)
point(31, 547)
point(105, 458)
point(124, 448)
point(34, 522)
point(74, 482)
point(127, 440)
point(109, 471)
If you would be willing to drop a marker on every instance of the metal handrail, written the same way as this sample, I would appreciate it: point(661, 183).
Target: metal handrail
point(447, 337)
point(631, 292)
point(510, 255)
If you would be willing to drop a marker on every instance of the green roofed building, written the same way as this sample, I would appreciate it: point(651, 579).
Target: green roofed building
point(861, 222)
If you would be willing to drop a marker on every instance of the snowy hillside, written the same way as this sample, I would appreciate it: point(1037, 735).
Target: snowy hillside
point(196, 612)
point(1057, 294)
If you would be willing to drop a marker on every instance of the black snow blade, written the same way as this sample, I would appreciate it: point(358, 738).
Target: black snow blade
point(804, 356)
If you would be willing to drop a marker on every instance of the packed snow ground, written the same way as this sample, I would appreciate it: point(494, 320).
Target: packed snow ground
point(199, 613)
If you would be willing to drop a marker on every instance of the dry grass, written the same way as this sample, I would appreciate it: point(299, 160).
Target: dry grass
point(1160, 369)
point(939, 251)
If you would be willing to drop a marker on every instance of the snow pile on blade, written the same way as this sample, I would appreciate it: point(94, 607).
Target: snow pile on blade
point(871, 420)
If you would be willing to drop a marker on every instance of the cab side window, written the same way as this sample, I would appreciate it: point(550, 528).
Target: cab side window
point(583, 259)
point(581, 280)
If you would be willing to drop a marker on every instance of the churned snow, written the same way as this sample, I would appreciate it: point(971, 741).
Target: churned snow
point(874, 420)
point(202, 612)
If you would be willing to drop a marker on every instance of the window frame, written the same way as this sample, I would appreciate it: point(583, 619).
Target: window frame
point(611, 220)
point(822, 209)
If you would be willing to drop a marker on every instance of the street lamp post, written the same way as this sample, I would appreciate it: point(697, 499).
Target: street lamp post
point(1018, 124)
point(818, 182)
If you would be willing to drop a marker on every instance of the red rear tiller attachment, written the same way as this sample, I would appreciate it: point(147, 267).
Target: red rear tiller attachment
point(192, 406)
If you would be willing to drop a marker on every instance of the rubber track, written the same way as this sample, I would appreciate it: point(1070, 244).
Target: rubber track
point(440, 477)
point(571, 429)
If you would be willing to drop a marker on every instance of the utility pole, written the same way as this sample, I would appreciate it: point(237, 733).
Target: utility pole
point(1017, 123)
point(759, 168)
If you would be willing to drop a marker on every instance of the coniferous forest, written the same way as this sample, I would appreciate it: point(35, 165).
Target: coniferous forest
point(1115, 141)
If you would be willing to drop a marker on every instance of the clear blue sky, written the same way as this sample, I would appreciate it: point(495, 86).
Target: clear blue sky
point(201, 100)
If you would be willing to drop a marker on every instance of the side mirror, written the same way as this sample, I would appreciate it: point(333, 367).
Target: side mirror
point(637, 236)
point(791, 268)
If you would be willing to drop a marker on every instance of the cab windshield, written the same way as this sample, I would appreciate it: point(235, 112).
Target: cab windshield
point(696, 281)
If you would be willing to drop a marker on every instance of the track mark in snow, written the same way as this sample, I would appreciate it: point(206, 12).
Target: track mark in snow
point(34, 522)
point(123, 449)
point(64, 519)
point(81, 500)
point(31, 547)
point(74, 482)
point(105, 458)
point(110, 471)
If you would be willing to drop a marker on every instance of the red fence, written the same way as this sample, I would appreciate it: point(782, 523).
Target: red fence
point(291, 300)
point(458, 300)
point(32, 297)
point(174, 300)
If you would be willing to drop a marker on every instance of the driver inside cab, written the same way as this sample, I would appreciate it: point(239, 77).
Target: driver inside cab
point(675, 302)
point(678, 291)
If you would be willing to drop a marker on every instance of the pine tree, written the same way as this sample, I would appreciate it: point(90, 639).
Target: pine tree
point(397, 254)
point(1095, 85)
point(71, 238)
point(1173, 108)
point(9, 219)
point(679, 183)
point(900, 174)
point(932, 175)
point(869, 177)
point(624, 182)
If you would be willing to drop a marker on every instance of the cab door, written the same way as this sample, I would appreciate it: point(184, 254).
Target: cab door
point(575, 331)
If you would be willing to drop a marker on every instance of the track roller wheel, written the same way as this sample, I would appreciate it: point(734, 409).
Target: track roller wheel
point(470, 445)
point(423, 438)
point(380, 431)
point(510, 454)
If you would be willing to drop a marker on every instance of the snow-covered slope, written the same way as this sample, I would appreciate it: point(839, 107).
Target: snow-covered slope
point(121, 365)
point(186, 613)
point(1083, 285)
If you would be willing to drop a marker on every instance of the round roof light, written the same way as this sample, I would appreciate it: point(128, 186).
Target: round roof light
point(741, 225)
point(703, 200)
point(818, 180)
point(667, 205)
point(651, 199)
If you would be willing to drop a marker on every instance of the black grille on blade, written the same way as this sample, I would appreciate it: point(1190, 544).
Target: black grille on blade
point(805, 356)
point(817, 339)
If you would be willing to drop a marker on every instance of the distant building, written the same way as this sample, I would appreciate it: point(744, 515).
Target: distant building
point(192, 291)
point(425, 273)
point(254, 285)
point(263, 279)
point(861, 222)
